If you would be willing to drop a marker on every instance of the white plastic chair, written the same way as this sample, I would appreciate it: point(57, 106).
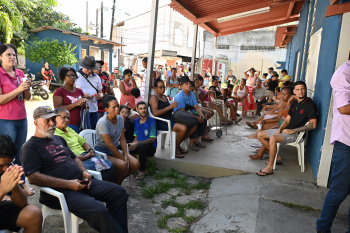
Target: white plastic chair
point(71, 222)
point(90, 136)
point(299, 144)
point(171, 134)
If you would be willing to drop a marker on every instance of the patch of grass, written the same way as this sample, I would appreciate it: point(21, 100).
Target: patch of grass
point(189, 219)
point(194, 205)
point(296, 206)
point(162, 222)
point(151, 167)
point(178, 230)
point(172, 173)
point(201, 185)
point(181, 183)
point(158, 175)
point(142, 183)
point(157, 213)
point(159, 188)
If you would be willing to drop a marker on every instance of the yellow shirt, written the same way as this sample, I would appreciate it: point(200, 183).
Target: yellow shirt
point(73, 140)
point(283, 78)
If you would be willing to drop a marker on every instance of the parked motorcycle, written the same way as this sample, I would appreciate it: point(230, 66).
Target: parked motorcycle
point(38, 88)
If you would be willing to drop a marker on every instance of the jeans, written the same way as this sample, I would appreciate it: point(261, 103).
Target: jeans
point(112, 218)
point(339, 189)
point(144, 150)
point(93, 119)
point(17, 130)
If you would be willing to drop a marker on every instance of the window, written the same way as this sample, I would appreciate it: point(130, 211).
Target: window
point(223, 46)
point(253, 47)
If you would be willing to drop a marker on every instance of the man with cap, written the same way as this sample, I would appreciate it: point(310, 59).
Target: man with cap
point(91, 85)
point(187, 100)
point(48, 162)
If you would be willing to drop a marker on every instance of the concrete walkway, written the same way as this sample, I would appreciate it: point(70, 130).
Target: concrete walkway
point(249, 203)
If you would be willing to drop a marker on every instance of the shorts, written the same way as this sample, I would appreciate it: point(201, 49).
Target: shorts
point(106, 150)
point(9, 213)
point(287, 138)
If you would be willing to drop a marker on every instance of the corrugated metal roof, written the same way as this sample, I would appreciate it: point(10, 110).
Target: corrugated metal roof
point(206, 12)
point(81, 35)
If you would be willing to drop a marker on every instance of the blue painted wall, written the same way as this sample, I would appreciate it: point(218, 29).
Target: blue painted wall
point(327, 59)
point(70, 39)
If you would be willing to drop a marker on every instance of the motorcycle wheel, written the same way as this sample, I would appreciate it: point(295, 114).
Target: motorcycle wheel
point(44, 95)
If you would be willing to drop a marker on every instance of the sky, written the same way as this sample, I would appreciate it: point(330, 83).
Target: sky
point(76, 10)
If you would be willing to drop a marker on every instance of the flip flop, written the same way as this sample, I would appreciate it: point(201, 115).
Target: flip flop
point(140, 177)
point(179, 155)
point(255, 145)
point(250, 125)
point(265, 173)
point(183, 151)
point(277, 162)
point(236, 122)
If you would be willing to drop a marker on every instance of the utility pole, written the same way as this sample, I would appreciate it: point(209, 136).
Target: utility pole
point(96, 22)
point(87, 16)
point(113, 10)
point(101, 19)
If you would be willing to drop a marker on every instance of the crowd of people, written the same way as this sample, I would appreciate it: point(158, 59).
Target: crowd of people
point(59, 158)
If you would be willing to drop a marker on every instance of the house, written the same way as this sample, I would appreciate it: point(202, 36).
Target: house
point(101, 49)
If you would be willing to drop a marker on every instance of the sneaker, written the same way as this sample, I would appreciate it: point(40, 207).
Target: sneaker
point(200, 145)
point(194, 147)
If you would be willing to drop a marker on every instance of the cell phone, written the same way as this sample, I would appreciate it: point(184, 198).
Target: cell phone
point(83, 182)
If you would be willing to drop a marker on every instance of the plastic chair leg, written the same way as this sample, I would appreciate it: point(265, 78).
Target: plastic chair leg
point(75, 223)
point(302, 156)
point(163, 139)
point(173, 145)
point(274, 163)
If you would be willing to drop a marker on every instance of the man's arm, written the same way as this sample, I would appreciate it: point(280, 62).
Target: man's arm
point(284, 124)
point(307, 127)
point(80, 164)
point(344, 110)
point(43, 180)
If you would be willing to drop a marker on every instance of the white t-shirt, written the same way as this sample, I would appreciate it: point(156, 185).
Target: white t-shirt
point(83, 84)
point(143, 88)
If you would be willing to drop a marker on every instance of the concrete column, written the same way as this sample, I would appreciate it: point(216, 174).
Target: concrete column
point(111, 60)
point(151, 48)
point(194, 50)
point(214, 53)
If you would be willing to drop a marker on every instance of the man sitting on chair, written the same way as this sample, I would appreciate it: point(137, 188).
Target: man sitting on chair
point(48, 162)
point(302, 111)
point(15, 213)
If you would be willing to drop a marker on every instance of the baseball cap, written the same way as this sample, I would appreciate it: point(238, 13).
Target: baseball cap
point(45, 112)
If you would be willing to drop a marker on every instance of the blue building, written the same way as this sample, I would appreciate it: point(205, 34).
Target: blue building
point(316, 48)
point(101, 49)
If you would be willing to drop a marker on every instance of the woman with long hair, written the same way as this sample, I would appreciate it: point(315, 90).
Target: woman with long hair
point(13, 91)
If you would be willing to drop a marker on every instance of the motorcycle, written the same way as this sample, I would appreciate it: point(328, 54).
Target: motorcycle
point(38, 88)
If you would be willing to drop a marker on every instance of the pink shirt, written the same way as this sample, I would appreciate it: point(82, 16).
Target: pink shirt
point(251, 81)
point(127, 98)
point(341, 97)
point(15, 109)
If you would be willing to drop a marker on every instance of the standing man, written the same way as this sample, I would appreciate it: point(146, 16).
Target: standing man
point(145, 141)
point(340, 137)
point(121, 71)
point(270, 70)
point(91, 85)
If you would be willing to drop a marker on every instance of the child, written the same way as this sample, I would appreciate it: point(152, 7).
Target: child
point(136, 93)
point(124, 111)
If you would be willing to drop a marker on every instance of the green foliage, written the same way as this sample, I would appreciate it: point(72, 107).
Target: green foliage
point(57, 54)
point(159, 188)
point(151, 167)
point(201, 185)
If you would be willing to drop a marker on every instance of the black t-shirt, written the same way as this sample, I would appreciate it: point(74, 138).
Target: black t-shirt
point(49, 156)
point(272, 85)
point(301, 112)
point(129, 133)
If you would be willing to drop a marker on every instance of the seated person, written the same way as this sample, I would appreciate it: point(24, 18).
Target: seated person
point(240, 93)
point(161, 107)
point(197, 91)
point(218, 95)
point(302, 116)
point(285, 77)
point(187, 101)
point(278, 95)
point(260, 94)
point(15, 213)
point(48, 162)
point(264, 77)
point(137, 95)
point(271, 86)
point(78, 145)
point(110, 138)
point(204, 94)
point(124, 111)
point(282, 113)
point(145, 142)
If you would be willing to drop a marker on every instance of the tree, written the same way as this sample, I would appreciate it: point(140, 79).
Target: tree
point(55, 53)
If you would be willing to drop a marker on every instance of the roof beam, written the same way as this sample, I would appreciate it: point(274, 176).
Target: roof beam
point(255, 26)
point(333, 2)
point(209, 28)
point(231, 12)
point(282, 2)
point(338, 9)
point(184, 8)
point(290, 10)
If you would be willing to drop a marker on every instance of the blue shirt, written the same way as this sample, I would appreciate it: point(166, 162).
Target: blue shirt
point(146, 130)
point(183, 99)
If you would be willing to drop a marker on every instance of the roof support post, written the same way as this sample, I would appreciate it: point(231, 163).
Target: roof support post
point(214, 56)
point(194, 51)
point(151, 48)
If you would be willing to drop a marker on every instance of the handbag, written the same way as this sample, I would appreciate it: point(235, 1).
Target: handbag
point(85, 118)
point(183, 117)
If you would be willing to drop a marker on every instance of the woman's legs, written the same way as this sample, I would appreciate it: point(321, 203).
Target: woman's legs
point(243, 107)
point(210, 113)
point(181, 131)
point(218, 108)
point(121, 166)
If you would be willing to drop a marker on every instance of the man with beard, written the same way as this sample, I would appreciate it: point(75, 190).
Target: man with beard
point(48, 161)
point(303, 110)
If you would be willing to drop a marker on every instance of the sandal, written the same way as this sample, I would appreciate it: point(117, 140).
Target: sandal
point(238, 120)
point(179, 155)
point(182, 151)
point(30, 191)
point(140, 176)
point(263, 173)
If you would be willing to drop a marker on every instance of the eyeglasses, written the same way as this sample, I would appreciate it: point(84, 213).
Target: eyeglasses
point(71, 75)
point(65, 118)
point(161, 87)
point(9, 164)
